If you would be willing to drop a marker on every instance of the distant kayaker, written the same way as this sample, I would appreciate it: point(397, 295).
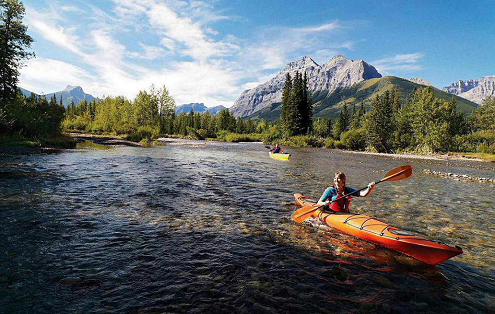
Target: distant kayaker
point(277, 149)
point(338, 190)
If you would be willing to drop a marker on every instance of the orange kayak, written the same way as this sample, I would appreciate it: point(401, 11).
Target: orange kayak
point(375, 231)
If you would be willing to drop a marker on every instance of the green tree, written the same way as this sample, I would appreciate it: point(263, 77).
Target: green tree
point(322, 127)
point(342, 122)
point(484, 116)
point(226, 121)
point(14, 45)
point(434, 121)
point(357, 118)
point(288, 107)
point(379, 124)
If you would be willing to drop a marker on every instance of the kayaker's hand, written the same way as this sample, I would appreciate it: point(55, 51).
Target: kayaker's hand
point(371, 185)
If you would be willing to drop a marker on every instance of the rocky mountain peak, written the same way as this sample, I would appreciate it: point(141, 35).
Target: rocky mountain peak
point(485, 88)
point(301, 64)
point(71, 88)
point(339, 72)
point(461, 86)
point(338, 59)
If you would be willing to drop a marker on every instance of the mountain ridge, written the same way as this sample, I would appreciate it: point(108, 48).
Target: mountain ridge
point(198, 108)
point(339, 72)
point(69, 94)
point(328, 105)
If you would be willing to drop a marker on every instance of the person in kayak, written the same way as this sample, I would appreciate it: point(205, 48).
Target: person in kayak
point(339, 189)
point(277, 149)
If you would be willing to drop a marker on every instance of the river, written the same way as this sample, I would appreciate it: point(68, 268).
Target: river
point(206, 228)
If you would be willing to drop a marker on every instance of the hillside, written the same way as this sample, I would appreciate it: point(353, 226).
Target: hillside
point(329, 104)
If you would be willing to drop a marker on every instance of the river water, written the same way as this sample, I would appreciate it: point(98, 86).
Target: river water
point(206, 227)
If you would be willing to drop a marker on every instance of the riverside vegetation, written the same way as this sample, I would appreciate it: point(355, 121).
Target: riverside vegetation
point(389, 123)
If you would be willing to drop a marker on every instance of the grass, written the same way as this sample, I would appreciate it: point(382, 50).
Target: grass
point(484, 156)
point(58, 141)
point(91, 145)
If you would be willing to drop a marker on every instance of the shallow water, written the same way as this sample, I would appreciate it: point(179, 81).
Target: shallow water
point(207, 228)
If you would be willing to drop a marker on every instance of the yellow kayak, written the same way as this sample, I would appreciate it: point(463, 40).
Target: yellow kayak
point(279, 156)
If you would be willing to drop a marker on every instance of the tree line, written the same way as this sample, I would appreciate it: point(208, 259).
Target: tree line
point(152, 114)
point(420, 123)
point(34, 116)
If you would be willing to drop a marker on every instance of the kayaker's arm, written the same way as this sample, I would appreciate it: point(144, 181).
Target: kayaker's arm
point(369, 190)
point(324, 199)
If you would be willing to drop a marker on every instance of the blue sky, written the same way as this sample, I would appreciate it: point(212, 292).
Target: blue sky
point(210, 51)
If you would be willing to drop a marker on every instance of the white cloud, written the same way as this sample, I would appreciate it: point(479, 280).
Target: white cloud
point(60, 36)
point(319, 28)
point(195, 62)
point(54, 74)
point(148, 52)
point(401, 62)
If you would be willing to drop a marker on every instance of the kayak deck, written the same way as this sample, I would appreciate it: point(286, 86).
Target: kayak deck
point(279, 156)
point(378, 232)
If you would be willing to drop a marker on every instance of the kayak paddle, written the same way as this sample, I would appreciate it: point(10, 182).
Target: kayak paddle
point(397, 174)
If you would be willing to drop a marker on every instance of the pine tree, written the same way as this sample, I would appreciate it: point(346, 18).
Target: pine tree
point(288, 110)
point(379, 124)
point(14, 42)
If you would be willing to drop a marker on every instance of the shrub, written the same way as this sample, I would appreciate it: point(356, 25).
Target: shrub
point(303, 141)
point(203, 133)
point(340, 145)
point(481, 141)
point(330, 143)
point(143, 132)
point(354, 139)
point(273, 134)
point(235, 137)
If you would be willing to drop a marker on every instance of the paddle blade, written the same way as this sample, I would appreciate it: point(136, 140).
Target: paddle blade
point(305, 213)
point(397, 174)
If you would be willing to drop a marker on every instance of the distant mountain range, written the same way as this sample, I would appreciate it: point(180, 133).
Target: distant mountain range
point(69, 94)
point(474, 90)
point(339, 82)
point(198, 108)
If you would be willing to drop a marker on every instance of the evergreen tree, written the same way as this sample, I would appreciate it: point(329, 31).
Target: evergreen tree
point(307, 112)
point(379, 124)
point(484, 116)
point(342, 123)
point(288, 108)
point(14, 42)
point(322, 127)
point(298, 103)
point(357, 118)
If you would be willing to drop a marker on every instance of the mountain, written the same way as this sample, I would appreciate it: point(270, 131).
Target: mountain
point(420, 81)
point(26, 92)
point(474, 90)
point(69, 94)
point(195, 107)
point(461, 86)
point(328, 104)
point(339, 73)
point(198, 108)
point(484, 89)
point(215, 110)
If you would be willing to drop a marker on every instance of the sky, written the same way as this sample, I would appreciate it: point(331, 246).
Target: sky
point(210, 51)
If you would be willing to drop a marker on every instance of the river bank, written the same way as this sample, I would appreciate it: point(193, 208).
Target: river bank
point(18, 145)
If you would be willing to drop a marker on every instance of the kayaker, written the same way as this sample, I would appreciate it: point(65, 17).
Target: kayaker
point(339, 189)
point(277, 149)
